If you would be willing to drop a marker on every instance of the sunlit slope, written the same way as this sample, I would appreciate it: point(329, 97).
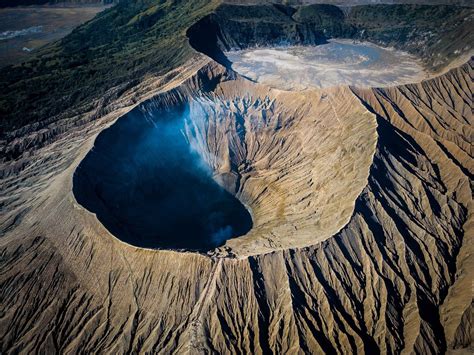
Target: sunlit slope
point(387, 281)
point(362, 198)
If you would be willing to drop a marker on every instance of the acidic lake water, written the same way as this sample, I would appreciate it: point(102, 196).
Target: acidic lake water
point(337, 63)
point(150, 189)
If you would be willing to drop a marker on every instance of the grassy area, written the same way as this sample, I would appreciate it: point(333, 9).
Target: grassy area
point(116, 48)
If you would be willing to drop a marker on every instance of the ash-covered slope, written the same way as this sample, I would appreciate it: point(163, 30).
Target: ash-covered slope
point(362, 238)
point(386, 282)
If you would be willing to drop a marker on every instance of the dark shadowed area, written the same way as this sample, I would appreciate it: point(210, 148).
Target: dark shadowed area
point(150, 189)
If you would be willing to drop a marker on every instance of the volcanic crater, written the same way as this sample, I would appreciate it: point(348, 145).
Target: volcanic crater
point(266, 148)
point(345, 213)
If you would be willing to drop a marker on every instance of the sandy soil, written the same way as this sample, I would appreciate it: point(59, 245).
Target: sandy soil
point(24, 29)
point(396, 278)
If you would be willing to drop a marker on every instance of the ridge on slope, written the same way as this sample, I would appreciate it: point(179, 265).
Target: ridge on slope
point(377, 285)
point(392, 280)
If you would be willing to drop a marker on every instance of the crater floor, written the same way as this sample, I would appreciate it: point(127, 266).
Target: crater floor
point(339, 62)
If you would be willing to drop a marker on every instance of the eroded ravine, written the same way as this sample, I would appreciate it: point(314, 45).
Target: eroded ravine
point(296, 160)
point(376, 285)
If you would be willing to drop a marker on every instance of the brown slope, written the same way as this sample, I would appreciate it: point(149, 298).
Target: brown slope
point(390, 280)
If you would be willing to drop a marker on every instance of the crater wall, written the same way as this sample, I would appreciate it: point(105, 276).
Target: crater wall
point(435, 34)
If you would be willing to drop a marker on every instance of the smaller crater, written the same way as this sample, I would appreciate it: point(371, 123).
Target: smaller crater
point(339, 62)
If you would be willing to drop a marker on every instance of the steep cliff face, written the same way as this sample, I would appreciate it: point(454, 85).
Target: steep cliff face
point(391, 273)
point(120, 48)
point(361, 201)
point(297, 160)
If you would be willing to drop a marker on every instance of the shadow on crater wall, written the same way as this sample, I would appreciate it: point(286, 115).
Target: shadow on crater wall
point(150, 189)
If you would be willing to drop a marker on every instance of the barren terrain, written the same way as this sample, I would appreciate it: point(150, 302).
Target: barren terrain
point(400, 221)
point(360, 197)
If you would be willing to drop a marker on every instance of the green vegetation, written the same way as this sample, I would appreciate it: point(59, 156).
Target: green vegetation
point(115, 49)
point(432, 32)
point(319, 14)
point(261, 13)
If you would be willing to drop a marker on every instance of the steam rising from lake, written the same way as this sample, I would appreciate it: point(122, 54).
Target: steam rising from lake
point(337, 63)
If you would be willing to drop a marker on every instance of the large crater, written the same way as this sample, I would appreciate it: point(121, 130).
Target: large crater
point(178, 175)
point(185, 169)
